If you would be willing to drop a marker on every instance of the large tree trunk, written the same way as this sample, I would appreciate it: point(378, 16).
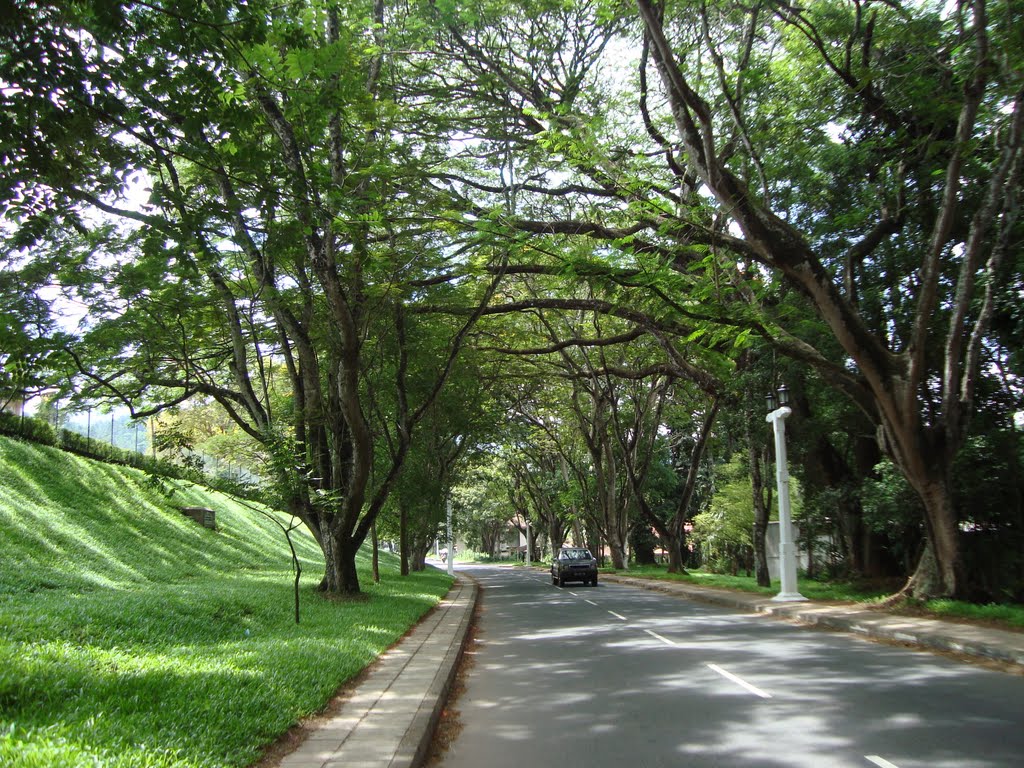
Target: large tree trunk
point(891, 372)
point(939, 573)
point(534, 535)
point(340, 575)
point(618, 552)
point(674, 544)
point(678, 525)
point(926, 461)
point(615, 526)
point(403, 537)
point(643, 544)
point(419, 546)
point(826, 470)
point(329, 583)
point(490, 537)
point(345, 564)
point(376, 553)
point(761, 513)
point(556, 532)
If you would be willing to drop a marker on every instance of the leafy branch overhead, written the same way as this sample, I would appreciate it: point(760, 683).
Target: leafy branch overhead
point(320, 219)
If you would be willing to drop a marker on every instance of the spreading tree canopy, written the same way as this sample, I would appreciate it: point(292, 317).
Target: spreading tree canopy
point(336, 193)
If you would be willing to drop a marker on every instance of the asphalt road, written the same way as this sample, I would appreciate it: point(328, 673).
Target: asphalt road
point(620, 677)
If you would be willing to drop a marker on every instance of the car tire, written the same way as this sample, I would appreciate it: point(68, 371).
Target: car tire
point(561, 581)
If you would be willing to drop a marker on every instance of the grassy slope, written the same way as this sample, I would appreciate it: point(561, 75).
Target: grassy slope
point(130, 636)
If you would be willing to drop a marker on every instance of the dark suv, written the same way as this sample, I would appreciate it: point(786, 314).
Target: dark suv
point(573, 564)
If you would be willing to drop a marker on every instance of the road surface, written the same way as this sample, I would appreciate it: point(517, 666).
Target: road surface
point(620, 677)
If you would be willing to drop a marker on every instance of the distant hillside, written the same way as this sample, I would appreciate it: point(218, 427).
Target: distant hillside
point(71, 523)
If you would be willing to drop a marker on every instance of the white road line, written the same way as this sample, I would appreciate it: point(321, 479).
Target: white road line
point(665, 640)
point(589, 601)
point(618, 616)
point(573, 593)
point(739, 681)
point(881, 762)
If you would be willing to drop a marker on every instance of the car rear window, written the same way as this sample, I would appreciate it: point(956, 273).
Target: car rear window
point(577, 554)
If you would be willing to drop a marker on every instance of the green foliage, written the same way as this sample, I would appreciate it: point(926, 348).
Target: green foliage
point(29, 341)
point(484, 511)
point(36, 430)
point(725, 530)
point(838, 119)
point(1007, 615)
point(130, 637)
point(39, 431)
point(889, 501)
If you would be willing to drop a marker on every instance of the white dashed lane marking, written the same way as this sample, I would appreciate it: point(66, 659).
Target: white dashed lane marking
point(663, 639)
point(739, 681)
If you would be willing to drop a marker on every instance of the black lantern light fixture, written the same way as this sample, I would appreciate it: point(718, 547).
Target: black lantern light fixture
point(773, 400)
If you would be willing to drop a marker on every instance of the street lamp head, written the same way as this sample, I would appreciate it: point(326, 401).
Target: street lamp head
point(769, 401)
point(783, 395)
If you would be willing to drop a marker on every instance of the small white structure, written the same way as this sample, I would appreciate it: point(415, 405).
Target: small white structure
point(771, 549)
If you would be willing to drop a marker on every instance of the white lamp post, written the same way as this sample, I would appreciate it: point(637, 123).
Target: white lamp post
point(787, 550)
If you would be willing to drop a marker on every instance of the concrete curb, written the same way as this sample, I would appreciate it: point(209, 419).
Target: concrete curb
point(967, 640)
point(415, 745)
point(927, 634)
point(388, 721)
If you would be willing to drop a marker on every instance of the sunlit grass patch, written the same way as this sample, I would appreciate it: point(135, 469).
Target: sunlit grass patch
point(132, 637)
point(184, 675)
point(1011, 616)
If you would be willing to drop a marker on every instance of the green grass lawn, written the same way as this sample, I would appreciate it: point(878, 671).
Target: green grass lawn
point(132, 637)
